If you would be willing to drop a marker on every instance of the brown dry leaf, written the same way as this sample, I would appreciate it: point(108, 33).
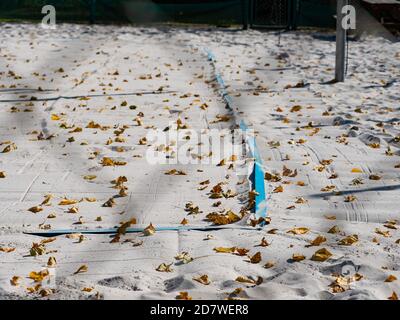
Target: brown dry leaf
point(278, 189)
point(37, 249)
point(174, 172)
point(15, 280)
point(386, 234)
point(225, 250)
point(7, 249)
point(109, 203)
point(321, 255)
point(203, 279)
point(183, 296)
point(375, 177)
point(334, 230)
point(2, 174)
point(38, 276)
point(149, 230)
point(330, 217)
point(394, 296)
point(269, 264)
point(51, 262)
point(73, 210)
point(164, 267)
point(223, 219)
point(241, 252)
point(350, 198)
point(81, 269)
point(35, 209)
point(391, 278)
point(298, 257)
point(243, 279)
point(264, 242)
point(256, 258)
point(299, 230)
point(67, 202)
point(317, 241)
point(87, 289)
point(184, 222)
point(349, 240)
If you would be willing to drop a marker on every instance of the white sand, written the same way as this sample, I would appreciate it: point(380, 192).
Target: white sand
point(257, 72)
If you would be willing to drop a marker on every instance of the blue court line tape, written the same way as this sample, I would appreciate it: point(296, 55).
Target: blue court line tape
point(55, 233)
point(257, 177)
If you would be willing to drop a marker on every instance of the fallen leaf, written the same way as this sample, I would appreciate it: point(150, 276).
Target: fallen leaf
point(300, 230)
point(149, 230)
point(7, 249)
point(38, 276)
point(164, 267)
point(15, 280)
point(81, 269)
point(225, 250)
point(183, 296)
point(321, 255)
point(203, 279)
point(349, 240)
point(256, 258)
point(394, 296)
point(35, 209)
point(391, 278)
point(184, 257)
point(317, 241)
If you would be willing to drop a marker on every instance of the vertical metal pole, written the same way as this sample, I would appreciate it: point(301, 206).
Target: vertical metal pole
point(245, 10)
point(92, 11)
point(340, 43)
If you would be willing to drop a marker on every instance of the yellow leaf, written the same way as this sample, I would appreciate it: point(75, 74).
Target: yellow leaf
point(38, 276)
point(55, 117)
point(67, 202)
point(164, 267)
point(225, 250)
point(298, 257)
point(6, 249)
point(149, 230)
point(321, 255)
point(89, 177)
point(356, 170)
point(394, 296)
point(202, 279)
point(81, 269)
point(317, 241)
point(300, 230)
point(183, 296)
point(349, 240)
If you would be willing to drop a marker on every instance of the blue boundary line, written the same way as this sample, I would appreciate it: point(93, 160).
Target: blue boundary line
point(257, 177)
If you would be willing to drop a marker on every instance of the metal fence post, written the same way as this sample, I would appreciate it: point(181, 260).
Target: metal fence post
point(340, 43)
point(92, 17)
point(245, 10)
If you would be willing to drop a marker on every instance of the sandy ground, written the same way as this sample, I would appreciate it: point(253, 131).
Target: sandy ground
point(330, 152)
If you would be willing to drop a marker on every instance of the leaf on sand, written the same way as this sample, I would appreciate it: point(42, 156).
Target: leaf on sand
point(81, 269)
point(391, 278)
point(317, 241)
point(256, 258)
point(321, 255)
point(38, 276)
point(125, 225)
point(67, 202)
point(184, 222)
point(51, 262)
point(89, 177)
point(149, 230)
point(184, 257)
point(174, 172)
point(269, 264)
point(164, 267)
point(35, 209)
point(183, 296)
point(349, 240)
point(356, 170)
point(7, 249)
point(334, 230)
point(298, 257)
point(15, 280)
point(203, 279)
point(394, 296)
point(300, 230)
point(225, 250)
point(386, 234)
point(243, 279)
point(278, 189)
